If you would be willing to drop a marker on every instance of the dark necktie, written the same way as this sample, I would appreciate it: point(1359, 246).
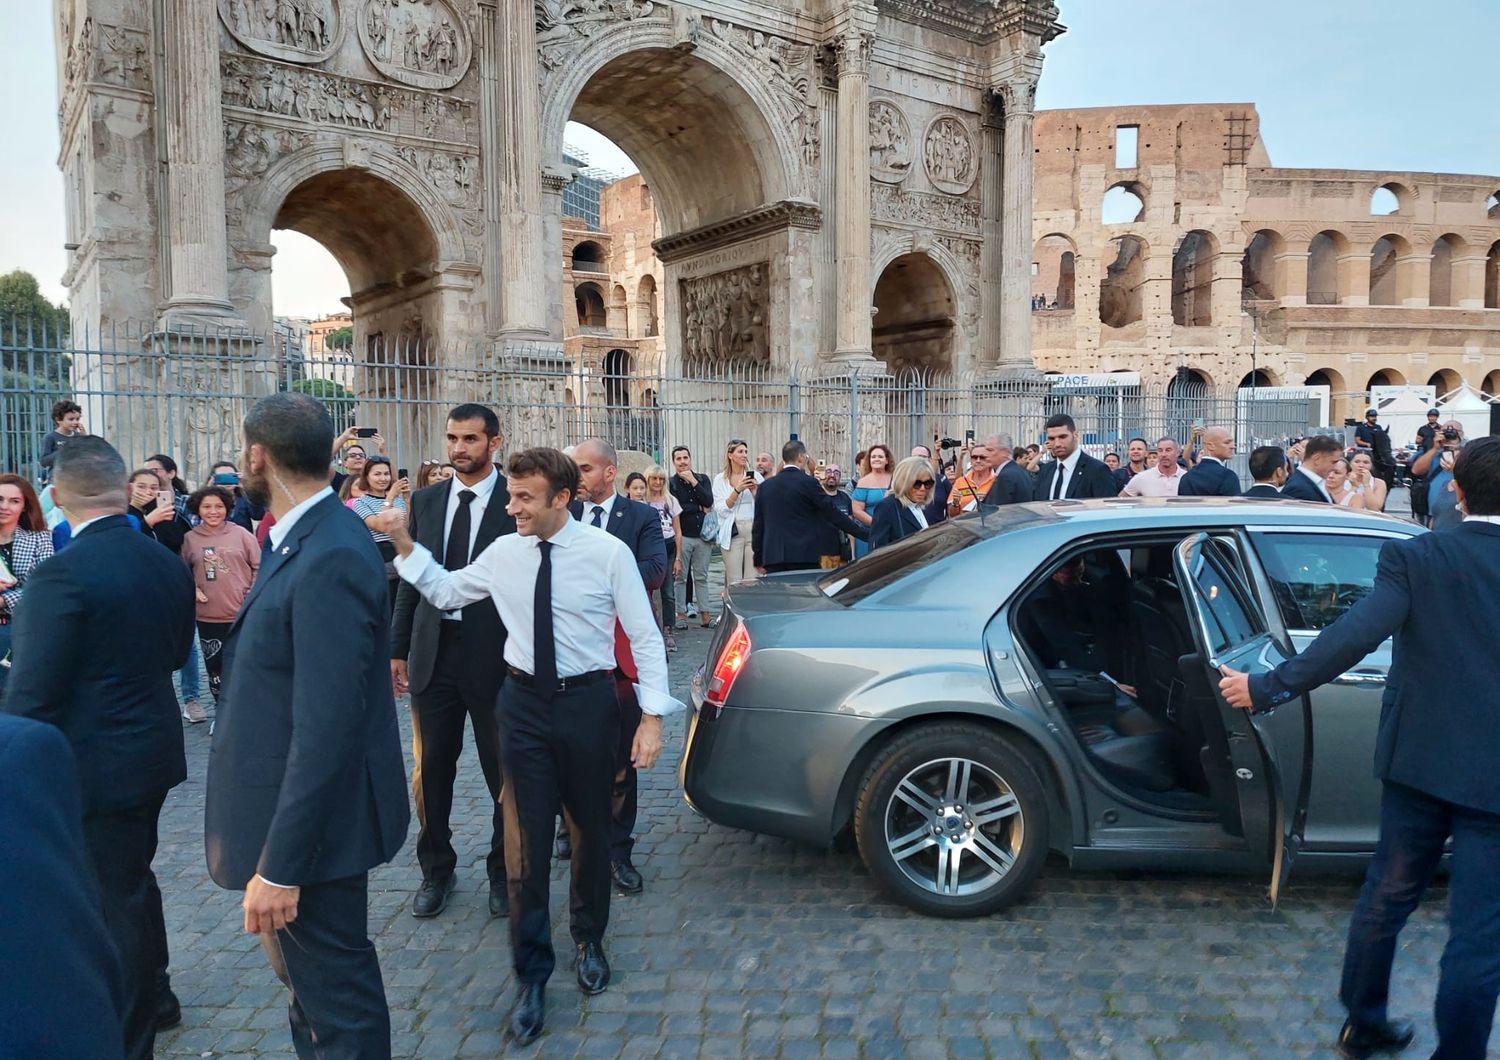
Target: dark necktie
point(598, 516)
point(1057, 481)
point(456, 555)
point(544, 650)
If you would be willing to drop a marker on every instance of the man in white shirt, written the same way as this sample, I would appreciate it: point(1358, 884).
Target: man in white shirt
point(559, 586)
point(1163, 478)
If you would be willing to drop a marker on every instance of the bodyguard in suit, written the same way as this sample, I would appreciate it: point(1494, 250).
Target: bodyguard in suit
point(65, 999)
point(1306, 483)
point(1072, 474)
point(1013, 483)
point(306, 789)
point(107, 684)
point(1438, 754)
point(453, 662)
point(1269, 469)
point(638, 526)
point(1210, 477)
point(792, 515)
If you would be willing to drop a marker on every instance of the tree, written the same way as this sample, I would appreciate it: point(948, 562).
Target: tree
point(23, 307)
point(340, 339)
point(339, 401)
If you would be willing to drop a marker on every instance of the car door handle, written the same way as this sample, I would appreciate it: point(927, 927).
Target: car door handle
point(1369, 678)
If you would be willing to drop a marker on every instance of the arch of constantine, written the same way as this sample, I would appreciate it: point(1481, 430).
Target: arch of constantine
point(839, 182)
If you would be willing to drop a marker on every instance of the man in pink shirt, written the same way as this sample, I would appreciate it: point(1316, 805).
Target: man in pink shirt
point(1160, 480)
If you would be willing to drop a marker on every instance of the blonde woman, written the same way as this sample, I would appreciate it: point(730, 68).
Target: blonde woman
point(734, 503)
point(901, 513)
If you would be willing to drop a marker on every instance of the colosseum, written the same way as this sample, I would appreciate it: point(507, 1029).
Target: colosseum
point(1168, 244)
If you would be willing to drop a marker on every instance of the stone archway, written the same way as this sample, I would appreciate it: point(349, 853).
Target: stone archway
point(915, 316)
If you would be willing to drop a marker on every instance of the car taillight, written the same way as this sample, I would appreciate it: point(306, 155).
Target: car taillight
point(728, 667)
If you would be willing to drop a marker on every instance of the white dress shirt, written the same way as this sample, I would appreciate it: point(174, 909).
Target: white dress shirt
point(483, 491)
point(1315, 477)
point(1483, 519)
point(608, 504)
point(595, 581)
point(283, 526)
point(920, 514)
point(1065, 469)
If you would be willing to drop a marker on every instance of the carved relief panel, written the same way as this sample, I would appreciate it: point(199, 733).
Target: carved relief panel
point(422, 43)
point(299, 31)
point(948, 152)
point(726, 316)
point(890, 142)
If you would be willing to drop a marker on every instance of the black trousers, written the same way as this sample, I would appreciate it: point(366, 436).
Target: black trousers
point(625, 798)
point(558, 751)
point(211, 637)
point(459, 689)
point(782, 568)
point(326, 959)
point(121, 845)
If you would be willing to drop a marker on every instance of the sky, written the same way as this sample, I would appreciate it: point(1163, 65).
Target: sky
point(1349, 84)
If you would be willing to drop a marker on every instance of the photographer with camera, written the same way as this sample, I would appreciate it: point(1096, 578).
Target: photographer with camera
point(1432, 474)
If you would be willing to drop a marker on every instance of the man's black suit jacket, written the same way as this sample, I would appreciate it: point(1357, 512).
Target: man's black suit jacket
point(1091, 478)
point(1300, 488)
point(1439, 730)
point(1209, 478)
point(1264, 491)
point(639, 526)
point(104, 625)
point(791, 512)
point(416, 623)
point(306, 782)
point(1013, 485)
point(63, 997)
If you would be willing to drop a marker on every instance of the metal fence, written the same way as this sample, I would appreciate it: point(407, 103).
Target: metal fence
point(186, 396)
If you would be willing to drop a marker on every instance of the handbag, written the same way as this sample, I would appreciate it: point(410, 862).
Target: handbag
point(710, 531)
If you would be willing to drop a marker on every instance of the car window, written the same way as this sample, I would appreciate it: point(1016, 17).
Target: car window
point(886, 566)
point(1317, 577)
point(1228, 620)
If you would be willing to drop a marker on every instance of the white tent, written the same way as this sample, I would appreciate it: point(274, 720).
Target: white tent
point(1402, 413)
point(1470, 408)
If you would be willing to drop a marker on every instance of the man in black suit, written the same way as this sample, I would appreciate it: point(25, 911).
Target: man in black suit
point(306, 789)
point(792, 516)
point(638, 526)
point(107, 684)
point(1437, 753)
point(1319, 454)
point(65, 997)
point(453, 663)
point(1269, 469)
point(1013, 484)
point(1211, 476)
point(1072, 474)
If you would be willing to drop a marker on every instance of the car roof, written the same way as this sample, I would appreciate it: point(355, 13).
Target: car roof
point(1120, 513)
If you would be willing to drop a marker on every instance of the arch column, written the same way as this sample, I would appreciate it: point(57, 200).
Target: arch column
point(1354, 278)
point(1291, 276)
point(854, 44)
point(1018, 93)
point(1468, 279)
point(1413, 279)
point(525, 254)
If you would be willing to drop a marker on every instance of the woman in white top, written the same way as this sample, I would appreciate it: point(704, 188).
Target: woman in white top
point(1362, 488)
point(734, 503)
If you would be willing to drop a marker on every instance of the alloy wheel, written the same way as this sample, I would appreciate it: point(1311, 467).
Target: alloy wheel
point(954, 827)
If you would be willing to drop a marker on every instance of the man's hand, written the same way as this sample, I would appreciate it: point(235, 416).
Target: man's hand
point(399, 683)
point(379, 441)
point(343, 440)
point(390, 521)
point(1235, 688)
point(646, 747)
point(677, 568)
point(269, 908)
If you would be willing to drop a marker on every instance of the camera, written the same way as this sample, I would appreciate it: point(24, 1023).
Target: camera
point(949, 443)
point(1450, 434)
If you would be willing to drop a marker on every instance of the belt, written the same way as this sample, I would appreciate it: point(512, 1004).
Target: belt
point(526, 680)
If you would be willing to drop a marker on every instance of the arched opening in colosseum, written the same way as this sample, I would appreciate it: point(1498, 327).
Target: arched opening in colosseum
point(1385, 269)
point(914, 315)
point(1492, 207)
point(1259, 280)
point(1261, 377)
point(1445, 380)
point(1491, 386)
point(1388, 200)
point(1440, 286)
point(650, 310)
point(1492, 277)
point(1124, 204)
point(1323, 254)
point(1332, 378)
point(1385, 377)
point(589, 302)
point(1056, 261)
point(619, 312)
point(1193, 280)
point(616, 379)
point(1190, 402)
point(588, 256)
point(1122, 286)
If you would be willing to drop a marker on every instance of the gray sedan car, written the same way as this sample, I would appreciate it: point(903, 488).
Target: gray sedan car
point(1044, 677)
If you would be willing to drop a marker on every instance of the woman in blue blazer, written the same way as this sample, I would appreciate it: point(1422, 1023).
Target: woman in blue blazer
point(900, 514)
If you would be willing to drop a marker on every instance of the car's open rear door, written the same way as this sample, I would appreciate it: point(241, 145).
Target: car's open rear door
point(1228, 630)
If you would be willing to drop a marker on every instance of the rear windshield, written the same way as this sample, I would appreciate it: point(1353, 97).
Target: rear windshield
point(863, 578)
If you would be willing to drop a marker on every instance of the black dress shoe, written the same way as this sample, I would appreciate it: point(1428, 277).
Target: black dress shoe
point(564, 846)
point(1359, 1040)
point(593, 968)
point(432, 897)
point(499, 899)
point(168, 1011)
point(627, 879)
point(529, 1013)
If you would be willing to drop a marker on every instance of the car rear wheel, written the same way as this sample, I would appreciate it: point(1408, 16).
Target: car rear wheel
point(952, 820)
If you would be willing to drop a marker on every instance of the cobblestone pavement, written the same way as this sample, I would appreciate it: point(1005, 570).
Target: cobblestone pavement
point(749, 946)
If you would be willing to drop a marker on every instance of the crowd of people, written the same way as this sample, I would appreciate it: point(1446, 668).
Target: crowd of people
point(579, 577)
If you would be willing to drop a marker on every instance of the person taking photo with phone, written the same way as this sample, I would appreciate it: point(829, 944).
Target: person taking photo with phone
point(382, 492)
point(734, 504)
